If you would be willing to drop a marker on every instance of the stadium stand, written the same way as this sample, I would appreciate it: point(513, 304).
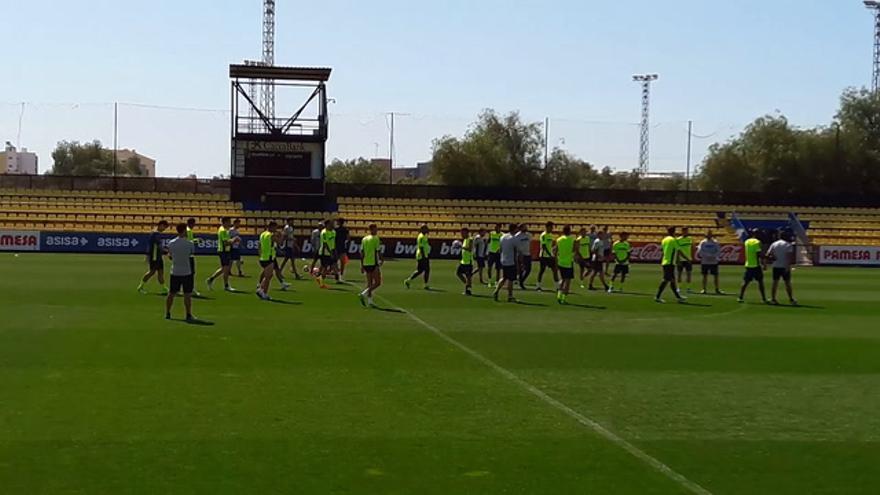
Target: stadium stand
point(130, 211)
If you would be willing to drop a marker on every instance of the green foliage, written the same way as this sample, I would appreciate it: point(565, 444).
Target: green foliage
point(90, 159)
point(357, 171)
point(500, 151)
point(772, 156)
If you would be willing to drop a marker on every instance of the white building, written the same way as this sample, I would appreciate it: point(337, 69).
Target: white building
point(17, 162)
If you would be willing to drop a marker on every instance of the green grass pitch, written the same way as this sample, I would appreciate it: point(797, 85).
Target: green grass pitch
point(316, 395)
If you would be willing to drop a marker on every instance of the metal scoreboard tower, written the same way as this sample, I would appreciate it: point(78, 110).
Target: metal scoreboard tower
point(278, 155)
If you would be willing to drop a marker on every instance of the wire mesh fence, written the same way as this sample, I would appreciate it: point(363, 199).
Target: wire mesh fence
point(195, 141)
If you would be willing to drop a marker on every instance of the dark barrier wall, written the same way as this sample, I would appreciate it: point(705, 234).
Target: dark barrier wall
point(334, 191)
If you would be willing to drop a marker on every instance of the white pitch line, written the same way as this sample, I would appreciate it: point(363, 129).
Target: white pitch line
point(580, 418)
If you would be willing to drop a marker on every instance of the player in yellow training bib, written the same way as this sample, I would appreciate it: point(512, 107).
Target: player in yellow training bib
point(371, 263)
point(755, 266)
point(670, 250)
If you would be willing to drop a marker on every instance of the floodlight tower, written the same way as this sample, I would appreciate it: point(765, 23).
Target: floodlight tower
point(268, 91)
point(874, 6)
point(644, 141)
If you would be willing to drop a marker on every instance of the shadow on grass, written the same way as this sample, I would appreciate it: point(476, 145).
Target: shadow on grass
point(530, 304)
point(799, 306)
point(283, 302)
point(693, 304)
point(431, 289)
point(633, 294)
point(196, 323)
point(586, 306)
point(388, 310)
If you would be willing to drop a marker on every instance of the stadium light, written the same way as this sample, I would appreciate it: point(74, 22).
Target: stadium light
point(874, 7)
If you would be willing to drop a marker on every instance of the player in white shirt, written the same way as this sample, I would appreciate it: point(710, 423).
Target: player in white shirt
point(781, 253)
point(599, 257)
point(524, 251)
point(481, 251)
point(708, 251)
point(509, 272)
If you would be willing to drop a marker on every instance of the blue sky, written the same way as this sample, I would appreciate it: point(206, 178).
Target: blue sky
point(721, 64)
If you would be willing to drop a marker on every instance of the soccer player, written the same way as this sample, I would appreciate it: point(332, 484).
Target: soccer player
point(236, 246)
point(341, 253)
point(755, 265)
point(598, 268)
point(547, 240)
point(327, 251)
point(191, 237)
point(371, 263)
point(708, 250)
point(466, 266)
point(685, 258)
point(423, 258)
point(781, 253)
point(669, 247)
point(524, 251)
point(622, 250)
point(481, 250)
point(181, 250)
point(508, 261)
point(583, 248)
point(495, 254)
point(154, 259)
point(315, 242)
point(565, 253)
point(606, 252)
point(289, 248)
point(277, 242)
point(224, 249)
point(267, 260)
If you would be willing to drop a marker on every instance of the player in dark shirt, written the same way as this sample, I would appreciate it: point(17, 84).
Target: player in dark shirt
point(155, 251)
point(341, 249)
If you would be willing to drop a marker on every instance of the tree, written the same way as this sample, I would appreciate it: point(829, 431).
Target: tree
point(498, 151)
point(567, 171)
point(90, 159)
point(771, 156)
point(357, 171)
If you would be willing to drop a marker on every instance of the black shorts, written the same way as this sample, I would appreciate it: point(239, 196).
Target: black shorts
point(754, 274)
point(494, 260)
point(620, 269)
point(709, 269)
point(481, 263)
point(287, 252)
point(509, 272)
point(525, 262)
point(465, 270)
point(192, 264)
point(225, 259)
point(327, 261)
point(686, 266)
point(585, 264)
point(567, 273)
point(265, 263)
point(596, 265)
point(423, 265)
point(235, 254)
point(669, 273)
point(157, 265)
point(548, 262)
point(184, 282)
point(782, 273)
point(371, 268)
